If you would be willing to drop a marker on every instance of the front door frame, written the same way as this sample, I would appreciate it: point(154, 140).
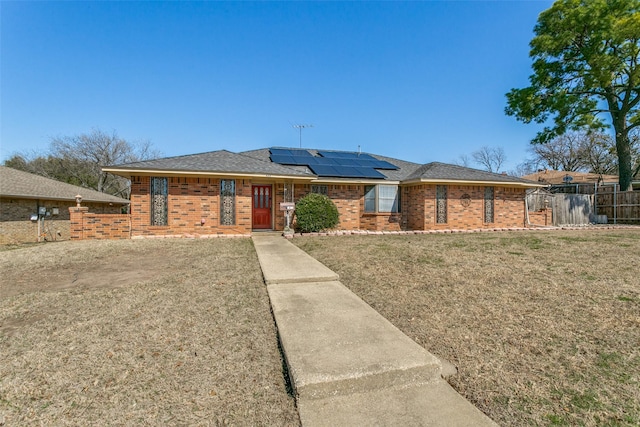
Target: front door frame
point(261, 212)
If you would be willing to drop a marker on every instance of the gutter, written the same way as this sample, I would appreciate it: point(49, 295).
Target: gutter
point(158, 172)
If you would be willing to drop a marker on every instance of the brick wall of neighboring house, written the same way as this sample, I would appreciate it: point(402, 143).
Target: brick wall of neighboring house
point(193, 207)
point(17, 227)
point(465, 208)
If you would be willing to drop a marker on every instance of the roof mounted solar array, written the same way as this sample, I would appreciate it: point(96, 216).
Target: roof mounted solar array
point(340, 164)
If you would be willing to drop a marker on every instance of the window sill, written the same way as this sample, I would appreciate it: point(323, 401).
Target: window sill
point(381, 213)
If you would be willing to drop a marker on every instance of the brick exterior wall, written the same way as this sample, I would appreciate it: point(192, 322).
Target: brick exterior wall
point(541, 218)
point(347, 198)
point(463, 213)
point(16, 226)
point(193, 207)
point(85, 225)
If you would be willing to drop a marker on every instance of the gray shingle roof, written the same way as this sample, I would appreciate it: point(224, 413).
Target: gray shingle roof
point(25, 185)
point(259, 162)
point(447, 172)
point(222, 161)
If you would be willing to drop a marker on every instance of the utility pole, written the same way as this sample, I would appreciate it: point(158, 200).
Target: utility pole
point(300, 127)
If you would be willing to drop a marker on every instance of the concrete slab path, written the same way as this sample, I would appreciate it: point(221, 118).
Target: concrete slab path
point(347, 363)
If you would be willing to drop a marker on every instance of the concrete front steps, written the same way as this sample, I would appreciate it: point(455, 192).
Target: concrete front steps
point(347, 363)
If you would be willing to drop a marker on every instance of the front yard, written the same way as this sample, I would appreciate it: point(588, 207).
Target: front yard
point(544, 327)
point(153, 332)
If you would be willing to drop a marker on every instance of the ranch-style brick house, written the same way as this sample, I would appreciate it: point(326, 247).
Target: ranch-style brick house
point(222, 192)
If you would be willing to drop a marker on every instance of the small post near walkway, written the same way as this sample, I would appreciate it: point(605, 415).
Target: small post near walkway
point(288, 208)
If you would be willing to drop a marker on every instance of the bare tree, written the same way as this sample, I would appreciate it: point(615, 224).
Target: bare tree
point(78, 160)
point(83, 156)
point(490, 158)
point(561, 153)
point(598, 152)
point(463, 160)
point(525, 168)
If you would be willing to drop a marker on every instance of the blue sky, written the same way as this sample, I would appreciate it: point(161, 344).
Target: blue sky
point(420, 81)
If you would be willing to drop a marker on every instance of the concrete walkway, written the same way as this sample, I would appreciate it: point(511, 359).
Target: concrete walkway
point(350, 366)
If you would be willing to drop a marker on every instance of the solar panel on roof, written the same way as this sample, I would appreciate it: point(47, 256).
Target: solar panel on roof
point(345, 172)
point(364, 163)
point(365, 157)
point(282, 159)
point(340, 164)
point(280, 151)
point(345, 155)
point(326, 161)
point(370, 173)
point(290, 160)
point(324, 170)
point(301, 153)
point(383, 164)
point(350, 162)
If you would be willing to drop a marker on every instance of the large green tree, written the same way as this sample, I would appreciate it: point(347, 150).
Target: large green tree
point(586, 73)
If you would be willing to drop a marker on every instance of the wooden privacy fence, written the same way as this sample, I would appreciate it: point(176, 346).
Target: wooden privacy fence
point(567, 209)
point(620, 207)
point(602, 204)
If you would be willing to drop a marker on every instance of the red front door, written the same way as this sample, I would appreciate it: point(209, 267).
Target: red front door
point(261, 207)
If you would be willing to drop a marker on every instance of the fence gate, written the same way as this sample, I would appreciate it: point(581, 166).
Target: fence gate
point(572, 209)
point(567, 209)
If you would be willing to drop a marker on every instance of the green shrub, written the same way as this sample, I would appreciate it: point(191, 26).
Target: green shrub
point(315, 212)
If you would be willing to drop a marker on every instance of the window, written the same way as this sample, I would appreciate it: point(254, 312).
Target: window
point(488, 204)
point(320, 189)
point(381, 198)
point(227, 202)
point(159, 199)
point(441, 204)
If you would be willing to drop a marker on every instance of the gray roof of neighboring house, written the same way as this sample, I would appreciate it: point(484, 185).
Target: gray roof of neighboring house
point(222, 161)
point(444, 171)
point(25, 185)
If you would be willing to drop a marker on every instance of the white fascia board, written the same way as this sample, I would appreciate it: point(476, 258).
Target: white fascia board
point(481, 183)
point(158, 172)
point(339, 181)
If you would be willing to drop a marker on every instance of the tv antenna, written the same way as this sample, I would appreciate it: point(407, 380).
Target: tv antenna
point(300, 127)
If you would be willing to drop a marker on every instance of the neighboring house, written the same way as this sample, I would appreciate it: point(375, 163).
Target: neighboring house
point(221, 192)
point(577, 182)
point(553, 177)
point(34, 208)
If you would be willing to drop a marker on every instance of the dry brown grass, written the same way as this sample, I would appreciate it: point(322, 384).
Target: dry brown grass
point(154, 332)
point(544, 327)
